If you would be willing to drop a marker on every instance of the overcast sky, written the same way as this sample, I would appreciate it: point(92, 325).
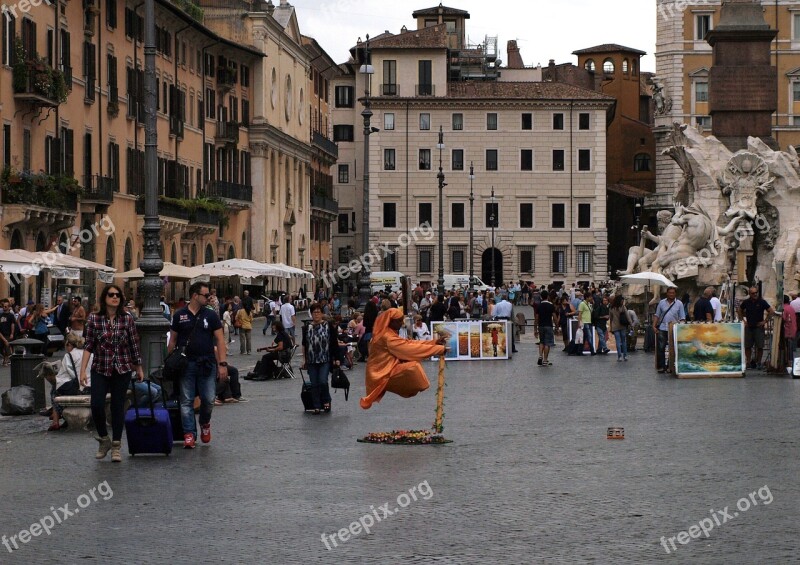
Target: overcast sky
point(544, 29)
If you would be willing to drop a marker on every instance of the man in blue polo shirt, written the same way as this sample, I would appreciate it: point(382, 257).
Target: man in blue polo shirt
point(751, 311)
point(199, 325)
point(670, 310)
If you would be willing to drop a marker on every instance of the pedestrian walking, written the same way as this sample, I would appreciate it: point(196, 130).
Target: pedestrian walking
point(288, 316)
point(546, 321)
point(620, 324)
point(244, 317)
point(199, 329)
point(601, 316)
point(77, 319)
point(111, 341)
point(565, 313)
point(669, 310)
point(585, 309)
point(789, 317)
point(320, 353)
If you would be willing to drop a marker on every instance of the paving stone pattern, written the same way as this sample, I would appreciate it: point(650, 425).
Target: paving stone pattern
point(529, 478)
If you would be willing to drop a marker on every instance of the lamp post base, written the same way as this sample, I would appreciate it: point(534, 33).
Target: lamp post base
point(364, 290)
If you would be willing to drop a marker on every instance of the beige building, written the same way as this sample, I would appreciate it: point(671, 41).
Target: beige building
point(683, 61)
point(72, 96)
point(540, 146)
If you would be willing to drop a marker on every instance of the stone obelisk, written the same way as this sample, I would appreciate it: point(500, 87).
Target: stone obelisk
point(742, 83)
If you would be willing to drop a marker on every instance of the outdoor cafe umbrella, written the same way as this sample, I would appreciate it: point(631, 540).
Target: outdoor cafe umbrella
point(11, 262)
point(170, 270)
point(648, 278)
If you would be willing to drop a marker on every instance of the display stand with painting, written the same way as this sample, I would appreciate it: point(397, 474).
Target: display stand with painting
point(703, 350)
point(475, 340)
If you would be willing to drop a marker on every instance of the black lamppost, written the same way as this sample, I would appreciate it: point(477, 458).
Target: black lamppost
point(471, 245)
point(492, 222)
point(442, 184)
point(152, 325)
point(364, 286)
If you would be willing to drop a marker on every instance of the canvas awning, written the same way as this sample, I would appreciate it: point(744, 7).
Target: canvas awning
point(13, 263)
point(170, 270)
point(246, 268)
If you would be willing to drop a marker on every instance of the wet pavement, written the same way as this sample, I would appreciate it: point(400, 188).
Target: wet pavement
point(529, 478)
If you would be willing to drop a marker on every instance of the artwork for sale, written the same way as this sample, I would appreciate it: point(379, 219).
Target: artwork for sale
point(709, 349)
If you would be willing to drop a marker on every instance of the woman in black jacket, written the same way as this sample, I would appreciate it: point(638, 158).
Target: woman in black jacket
point(320, 352)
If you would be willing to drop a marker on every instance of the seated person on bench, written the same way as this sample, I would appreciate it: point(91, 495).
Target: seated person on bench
point(66, 382)
point(229, 390)
point(266, 368)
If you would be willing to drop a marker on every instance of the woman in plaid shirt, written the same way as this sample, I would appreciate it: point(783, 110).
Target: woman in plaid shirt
point(111, 336)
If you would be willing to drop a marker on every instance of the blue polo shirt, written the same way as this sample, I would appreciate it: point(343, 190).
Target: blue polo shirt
point(202, 337)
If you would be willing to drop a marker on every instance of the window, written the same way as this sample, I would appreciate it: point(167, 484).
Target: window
point(245, 72)
point(583, 259)
point(388, 121)
point(641, 162)
point(583, 121)
point(389, 215)
point(458, 122)
point(584, 159)
point(526, 160)
point(457, 259)
point(702, 26)
point(457, 160)
point(491, 159)
point(701, 92)
point(491, 121)
point(424, 121)
point(344, 174)
point(113, 164)
point(796, 89)
point(425, 259)
point(608, 67)
point(26, 150)
point(424, 159)
point(343, 133)
point(584, 215)
point(389, 87)
point(344, 255)
point(527, 121)
point(425, 86)
point(558, 159)
point(457, 215)
point(526, 256)
point(493, 214)
point(344, 96)
point(113, 92)
point(796, 27)
point(9, 35)
point(390, 259)
point(89, 69)
point(557, 216)
point(703, 121)
point(558, 263)
point(589, 65)
point(625, 66)
point(526, 215)
point(425, 213)
point(388, 159)
point(558, 121)
point(343, 223)
point(6, 145)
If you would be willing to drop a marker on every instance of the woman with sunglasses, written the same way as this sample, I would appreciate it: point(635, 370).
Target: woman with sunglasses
point(111, 336)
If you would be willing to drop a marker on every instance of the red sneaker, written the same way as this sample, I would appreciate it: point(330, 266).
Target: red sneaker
point(188, 441)
point(205, 433)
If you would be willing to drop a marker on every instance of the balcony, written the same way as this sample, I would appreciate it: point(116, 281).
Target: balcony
point(325, 204)
point(325, 144)
point(166, 209)
point(235, 195)
point(226, 78)
point(175, 189)
point(227, 133)
point(98, 189)
point(57, 192)
point(204, 217)
point(390, 89)
point(426, 90)
point(39, 84)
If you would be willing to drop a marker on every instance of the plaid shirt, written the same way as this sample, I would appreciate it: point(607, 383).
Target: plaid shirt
point(115, 346)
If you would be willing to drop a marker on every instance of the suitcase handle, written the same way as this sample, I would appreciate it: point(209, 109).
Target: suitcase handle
point(150, 397)
point(302, 377)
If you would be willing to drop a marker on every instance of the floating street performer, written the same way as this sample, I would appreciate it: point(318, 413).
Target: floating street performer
point(393, 363)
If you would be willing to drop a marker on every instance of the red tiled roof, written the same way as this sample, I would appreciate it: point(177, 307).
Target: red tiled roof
point(607, 47)
point(434, 37)
point(523, 91)
point(444, 10)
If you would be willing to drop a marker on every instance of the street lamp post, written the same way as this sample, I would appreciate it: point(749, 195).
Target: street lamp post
point(152, 325)
point(471, 245)
point(364, 287)
point(493, 221)
point(442, 184)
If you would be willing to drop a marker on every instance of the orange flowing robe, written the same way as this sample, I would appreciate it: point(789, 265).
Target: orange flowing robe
point(393, 366)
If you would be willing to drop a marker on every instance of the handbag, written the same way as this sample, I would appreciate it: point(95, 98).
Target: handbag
point(623, 319)
point(175, 363)
point(579, 336)
point(237, 323)
point(340, 380)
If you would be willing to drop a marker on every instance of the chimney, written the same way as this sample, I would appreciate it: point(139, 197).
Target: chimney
point(514, 57)
point(551, 70)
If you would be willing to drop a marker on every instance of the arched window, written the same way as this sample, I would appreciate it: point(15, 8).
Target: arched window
point(193, 256)
point(273, 95)
point(16, 240)
point(110, 252)
point(231, 252)
point(63, 243)
point(641, 162)
point(634, 68)
point(173, 256)
point(301, 109)
point(289, 101)
point(625, 67)
point(589, 65)
point(608, 67)
point(128, 258)
point(41, 242)
point(288, 183)
point(244, 245)
point(209, 254)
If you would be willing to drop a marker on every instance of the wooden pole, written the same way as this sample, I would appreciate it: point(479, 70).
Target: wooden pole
point(438, 424)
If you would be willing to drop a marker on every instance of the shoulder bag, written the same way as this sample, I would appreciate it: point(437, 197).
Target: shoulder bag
point(176, 362)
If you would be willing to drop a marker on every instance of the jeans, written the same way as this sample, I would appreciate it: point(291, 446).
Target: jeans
point(267, 323)
point(621, 337)
point(200, 379)
point(790, 348)
point(69, 388)
point(290, 331)
point(588, 336)
point(318, 375)
point(245, 343)
point(601, 338)
point(661, 344)
point(117, 384)
point(230, 388)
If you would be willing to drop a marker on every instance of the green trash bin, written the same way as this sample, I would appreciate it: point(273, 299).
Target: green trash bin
point(27, 353)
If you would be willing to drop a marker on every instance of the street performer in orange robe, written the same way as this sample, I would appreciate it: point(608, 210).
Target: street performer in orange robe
point(393, 363)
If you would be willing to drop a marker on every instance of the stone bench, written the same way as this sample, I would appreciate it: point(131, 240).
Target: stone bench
point(78, 411)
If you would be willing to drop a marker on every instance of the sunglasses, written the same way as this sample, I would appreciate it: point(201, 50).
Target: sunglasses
point(204, 295)
point(114, 295)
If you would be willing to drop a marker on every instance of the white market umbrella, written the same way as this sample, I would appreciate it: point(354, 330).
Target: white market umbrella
point(648, 277)
point(171, 270)
point(294, 271)
point(13, 263)
point(246, 268)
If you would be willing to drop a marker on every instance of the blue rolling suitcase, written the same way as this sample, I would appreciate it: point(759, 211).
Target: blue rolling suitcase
point(149, 430)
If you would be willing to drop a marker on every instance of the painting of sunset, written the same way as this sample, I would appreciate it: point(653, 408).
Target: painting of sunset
point(709, 348)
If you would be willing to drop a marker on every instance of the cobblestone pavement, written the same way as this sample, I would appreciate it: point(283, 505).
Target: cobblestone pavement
point(529, 478)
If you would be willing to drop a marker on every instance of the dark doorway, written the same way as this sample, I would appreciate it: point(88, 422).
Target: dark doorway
point(486, 266)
